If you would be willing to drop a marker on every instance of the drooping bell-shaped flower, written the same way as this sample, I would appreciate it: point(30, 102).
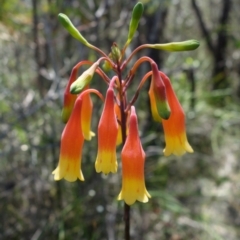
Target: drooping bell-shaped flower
point(159, 94)
point(133, 159)
point(69, 99)
point(174, 127)
point(153, 104)
point(86, 116)
point(107, 136)
point(69, 166)
point(118, 115)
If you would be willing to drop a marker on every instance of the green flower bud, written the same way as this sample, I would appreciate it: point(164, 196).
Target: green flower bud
point(188, 45)
point(158, 92)
point(115, 53)
point(106, 66)
point(136, 15)
point(86, 77)
point(163, 108)
point(67, 24)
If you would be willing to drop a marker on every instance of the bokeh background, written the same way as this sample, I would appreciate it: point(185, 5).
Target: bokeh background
point(194, 197)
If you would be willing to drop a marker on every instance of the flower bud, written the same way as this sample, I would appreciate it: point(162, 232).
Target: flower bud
point(115, 53)
point(188, 45)
point(106, 66)
point(83, 80)
point(153, 104)
point(67, 24)
point(159, 92)
point(136, 15)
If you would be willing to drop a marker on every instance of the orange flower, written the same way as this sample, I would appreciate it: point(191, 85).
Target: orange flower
point(107, 137)
point(174, 127)
point(133, 159)
point(86, 116)
point(158, 99)
point(69, 166)
point(153, 104)
point(69, 99)
point(118, 115)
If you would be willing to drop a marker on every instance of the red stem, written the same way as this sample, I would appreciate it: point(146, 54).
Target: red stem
point(133, 100)
point(125, 63)
point(122, 98)
point(92, 90)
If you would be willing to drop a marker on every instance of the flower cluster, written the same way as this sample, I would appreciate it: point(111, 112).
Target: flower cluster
point(118, 123)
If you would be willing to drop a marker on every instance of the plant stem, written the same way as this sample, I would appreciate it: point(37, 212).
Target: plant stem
point(123, 104)
point(127, 221)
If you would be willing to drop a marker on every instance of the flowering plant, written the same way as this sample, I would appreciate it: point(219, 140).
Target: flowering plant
point(118, 123)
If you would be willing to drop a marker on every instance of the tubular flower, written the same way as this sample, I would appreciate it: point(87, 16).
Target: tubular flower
point(107, 137)
point(133, 159)
point(69, 99)
point(69, 166)
point(159, 92)
point(118, 115)
point(86, 117)
point(174, 127)
point(153, 104)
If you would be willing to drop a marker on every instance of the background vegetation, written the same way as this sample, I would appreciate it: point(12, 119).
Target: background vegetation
point(193, 197)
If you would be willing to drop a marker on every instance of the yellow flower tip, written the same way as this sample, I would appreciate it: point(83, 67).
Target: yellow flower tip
point(177, 146)
point(68, 171)
point(58, 173)
point(86, 116)
point(129, 200)
point(148, 194)
point(88, 136)
point(130, 197)
point(188, 148)
point(109, 164)
point(92, 134)
point(73, 177)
